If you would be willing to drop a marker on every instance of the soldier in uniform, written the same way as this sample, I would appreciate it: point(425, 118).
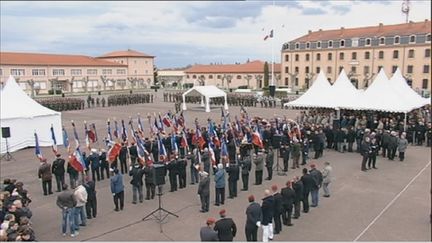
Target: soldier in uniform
point(172, 172)
point(182, 164)
point(233, 176)
point(269, 162)
point(59, 171)
point(246, 166)
point(258, 160)
point(104, 166)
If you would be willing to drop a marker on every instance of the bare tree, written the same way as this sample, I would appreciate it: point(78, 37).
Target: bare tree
point(132, 81)
point(201, 80)
point(31, 83)
point(259, 78)
point(53, 82)
point(85, 81)
point(122, 84)
point(71, 83)
point(248, 77)
point(278, 78)
point(293, 77)
point(222, 78)
point(366, 79)
point(309, 77)
point(104, 81)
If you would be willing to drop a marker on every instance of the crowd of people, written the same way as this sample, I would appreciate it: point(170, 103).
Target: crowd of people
point(15, 214)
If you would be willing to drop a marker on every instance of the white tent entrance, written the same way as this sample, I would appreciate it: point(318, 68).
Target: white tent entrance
point(206, 93)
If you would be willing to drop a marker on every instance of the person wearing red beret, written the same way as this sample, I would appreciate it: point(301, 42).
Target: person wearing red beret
point(207, 233)
point(225, 227)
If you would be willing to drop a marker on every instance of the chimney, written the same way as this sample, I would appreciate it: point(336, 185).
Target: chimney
point(309, 31)
point(320, 30)
point(380, 26)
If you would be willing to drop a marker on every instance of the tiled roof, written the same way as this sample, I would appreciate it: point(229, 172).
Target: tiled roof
point(127, 53)
point(369, 31)
point(18, 58)
point(250, 67)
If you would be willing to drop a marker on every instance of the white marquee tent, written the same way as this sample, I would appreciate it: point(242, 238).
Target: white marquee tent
point(316, 96)
point(206, 92)
point(24, 116)
point(343, 94)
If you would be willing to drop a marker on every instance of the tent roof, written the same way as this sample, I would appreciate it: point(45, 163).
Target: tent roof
point(210, 91)
point(315, 96)
point(15, 103)
point(343, 93)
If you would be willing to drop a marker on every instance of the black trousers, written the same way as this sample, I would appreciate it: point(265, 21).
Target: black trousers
point(364, 160)
point(119, 198)
point(182, 179)
point(47, 187)
point(278, 223)
point(401, 156)
point(350, 146)
point(232, 188)
point(372, 161)
point(269, 172)
point(392, 153)
point(286, 214)
point(384, 148)
point(245, 180)
point(150, 190)
point(91, 207)
point(59, 182)
point(297, 208)
point(258, 177)
point(220, 196)
point(95, 174)
point(173, 181)
point(306, 202)
point(123, 167)
point(106, 169)
point(251, 233)
point(205, 202)
point(285, 163)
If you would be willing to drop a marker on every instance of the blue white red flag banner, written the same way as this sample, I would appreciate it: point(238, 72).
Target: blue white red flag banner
point(38, 151)
point(66, 140)
point(54, 141)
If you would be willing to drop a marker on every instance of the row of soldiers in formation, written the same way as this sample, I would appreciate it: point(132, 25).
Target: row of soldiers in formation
point(127, 99)
point(62, 104)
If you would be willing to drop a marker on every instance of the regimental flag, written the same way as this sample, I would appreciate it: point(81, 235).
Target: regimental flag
point(184, 142)
point(140, 125)
point(162, 151)
point(156, 126)
point(109, 135)
point(75, 135)
point(200, 141)
point(143, 155)
point(76, 160)
point(270, 35)
point(116, 130)
point(212, 154)
point(224, 149)
point(113, 152)
point(161, 124)
point(257, 139)
point(181, 120)
point(92, 133)
point(54, 141)
point(66, 140)
point(87, 137)
point(166, 120)
point(174, 146)
point(38, 151)
point(213, 135)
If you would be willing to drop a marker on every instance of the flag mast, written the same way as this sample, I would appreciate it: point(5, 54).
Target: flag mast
point(272, 47)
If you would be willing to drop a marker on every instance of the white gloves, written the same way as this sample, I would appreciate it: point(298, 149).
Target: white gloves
point(258, 224)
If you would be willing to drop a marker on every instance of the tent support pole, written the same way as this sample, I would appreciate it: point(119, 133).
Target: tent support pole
point(405, 121)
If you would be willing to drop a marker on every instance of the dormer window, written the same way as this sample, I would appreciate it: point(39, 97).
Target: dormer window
point(297, 45)
point(382, 41)
point(319, 44)
point(342, 43)
point(307, 45)
point(397, 40)
point(412, 39)
point(330, 44)
point(368, 42)
point(428, 38)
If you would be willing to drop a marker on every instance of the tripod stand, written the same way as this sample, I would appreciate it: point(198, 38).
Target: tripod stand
point(278, 167)
point(7, 156)
point(160, 213)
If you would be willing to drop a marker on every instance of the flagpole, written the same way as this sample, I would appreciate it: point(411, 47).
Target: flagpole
point(272, 46)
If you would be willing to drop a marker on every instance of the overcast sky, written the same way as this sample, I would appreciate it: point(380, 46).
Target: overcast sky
point(181, 33)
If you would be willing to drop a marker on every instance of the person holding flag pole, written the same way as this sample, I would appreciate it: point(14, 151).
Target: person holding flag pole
point(44, 172)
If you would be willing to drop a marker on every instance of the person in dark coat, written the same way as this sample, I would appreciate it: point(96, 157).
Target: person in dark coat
point(318, 179)
point(246, 166)
point(172, 173)
point(91, 204)
point(58, 169)
point(193, 169)
point(350, 137)
point(392, 146)
point(277, 213)
point(233, 176)
point(207, 233)
point(67, 202)
point(225, 227)
point(133, 153)
point(373, 154)
point(117, 189)
point(137, 173)
point(45, 175)
point(285, 151)
point(258, 160)
point(298, 189)
point(308, 183)
point(269, 163)
point(123, 158)
point(267, 208)
point(204, 191)
point(150, 180)
point(103, 163)
point(288, 200)
point(253, 219)
point(181, 165)
point(94, 164)
point(365, 151)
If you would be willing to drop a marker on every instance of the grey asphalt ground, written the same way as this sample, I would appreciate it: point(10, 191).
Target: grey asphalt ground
point(357, 197)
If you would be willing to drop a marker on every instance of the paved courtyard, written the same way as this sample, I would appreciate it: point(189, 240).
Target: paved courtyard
point(354, 211)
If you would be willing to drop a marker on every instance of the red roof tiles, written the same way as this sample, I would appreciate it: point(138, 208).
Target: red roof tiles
point(128, 53)
point(250, 67)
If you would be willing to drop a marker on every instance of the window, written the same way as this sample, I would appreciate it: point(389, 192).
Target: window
point(379, 68)
point(106, 71)
point(286, 58)
point(307, 45)
point(367, 55)
point(395, 54)
point(354, 42)
point(341, 56)
point(135, 71)
point(286, 70)
point(428, 38)
point(330, 44)
point(194, 76)
point(318, 57)
point(286, 81)
point(411, 53)
point(354, 56)
point(425, 83)
point(397, 40)
point(340, 69)
point(318, 69)
point(427, 52)
point(319, 44)
point(342, 43)
point(368, 41)
point(218, 76)
point(121, 71)
point(297, 45)
point(210, 76)
point(425, 68)
point(296, 82)
point(307, 57)
point(381, 55)
point(307, 69)
point(38, 72)
point(91, 71)
point(187, 76)
point(329, 69)
point(366, 69)
point(296, 57)
point(17, 72)
point(238, 76)
point(353, 69)
point(329, 56)
point(410, 68)
point(58, 72)
point(382, 41)
point(394, 68)
point(296, 69)
point(412, 39)
point(76, 72)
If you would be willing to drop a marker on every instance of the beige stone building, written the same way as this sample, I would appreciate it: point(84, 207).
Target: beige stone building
point(77, 73)
point(228, 76)
point(361, 52)
point(173, 78)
